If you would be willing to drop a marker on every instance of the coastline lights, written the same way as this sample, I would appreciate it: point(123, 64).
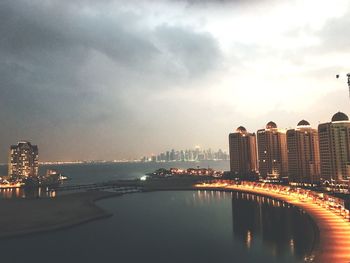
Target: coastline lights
point(331, 218)
point(144, 178)
point(11, 185)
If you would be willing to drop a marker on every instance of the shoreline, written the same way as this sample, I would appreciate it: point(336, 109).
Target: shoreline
point(331, 235)
point(333, 244)
point(316, 231)
point(54, 217)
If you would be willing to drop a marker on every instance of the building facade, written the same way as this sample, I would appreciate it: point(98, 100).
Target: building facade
point(243, 161)
point(334, 140)
point(303, 154)
point(272, 152)
point(23, 161)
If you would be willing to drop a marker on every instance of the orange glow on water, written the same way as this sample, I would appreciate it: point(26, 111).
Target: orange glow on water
point(249, 239)
point(12, 185)
point(332, 221)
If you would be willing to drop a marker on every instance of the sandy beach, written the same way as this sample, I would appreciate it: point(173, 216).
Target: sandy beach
point(24, 216)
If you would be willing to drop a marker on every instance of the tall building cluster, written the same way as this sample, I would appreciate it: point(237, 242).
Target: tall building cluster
point(304, 155)
point(23, 161)
point(189, 155)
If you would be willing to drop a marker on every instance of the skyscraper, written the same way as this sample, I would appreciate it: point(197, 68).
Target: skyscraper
point(242, 152)
point(303, 154)
point(334, 140)
point(23, 160)
point(272, 152)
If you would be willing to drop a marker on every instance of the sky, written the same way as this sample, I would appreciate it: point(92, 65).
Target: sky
point(92, 80)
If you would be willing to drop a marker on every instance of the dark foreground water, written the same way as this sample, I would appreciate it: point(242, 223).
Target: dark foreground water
point(183, 226)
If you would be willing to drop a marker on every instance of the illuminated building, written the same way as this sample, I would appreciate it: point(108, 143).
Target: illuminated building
point(334, 140)
point(242, 145)
point(196, 154)
point(303, 154)
point(272, 152)
point(23, 160)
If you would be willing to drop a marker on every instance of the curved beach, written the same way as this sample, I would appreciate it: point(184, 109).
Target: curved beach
point(334, 232)
point(37, 215)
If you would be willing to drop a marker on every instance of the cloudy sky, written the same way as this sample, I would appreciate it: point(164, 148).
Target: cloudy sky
point(111, 79)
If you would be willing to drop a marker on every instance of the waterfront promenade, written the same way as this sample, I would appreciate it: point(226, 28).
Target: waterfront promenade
point(44, 214)
point(333, 244)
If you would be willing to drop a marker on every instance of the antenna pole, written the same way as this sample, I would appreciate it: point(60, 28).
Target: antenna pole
point(348, 75)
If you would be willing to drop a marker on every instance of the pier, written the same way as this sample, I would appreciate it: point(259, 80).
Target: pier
point(115, 186)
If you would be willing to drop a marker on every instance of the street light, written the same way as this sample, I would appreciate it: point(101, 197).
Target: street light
point(348, 76)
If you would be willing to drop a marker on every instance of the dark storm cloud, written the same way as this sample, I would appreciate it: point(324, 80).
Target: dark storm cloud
point(32, 28)
point(34, 36)
point(197, 53)
point(69, 62)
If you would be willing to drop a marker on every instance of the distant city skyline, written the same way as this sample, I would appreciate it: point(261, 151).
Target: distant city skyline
point(194, 154)
point(105, 80)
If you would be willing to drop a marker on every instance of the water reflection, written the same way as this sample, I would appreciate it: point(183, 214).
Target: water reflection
point(41, 192)
point(172, 227)
point(204, 197)
point(280, 228)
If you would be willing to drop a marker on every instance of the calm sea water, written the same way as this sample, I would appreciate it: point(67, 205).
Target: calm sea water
point(182, 226)
point(190, 226)
point(99, 172)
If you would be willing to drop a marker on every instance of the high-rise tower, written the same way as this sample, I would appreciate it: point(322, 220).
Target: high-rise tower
point(272, 152)
point(303, 154)
point(242, 145)
point(23, 161)
point(334, 140)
